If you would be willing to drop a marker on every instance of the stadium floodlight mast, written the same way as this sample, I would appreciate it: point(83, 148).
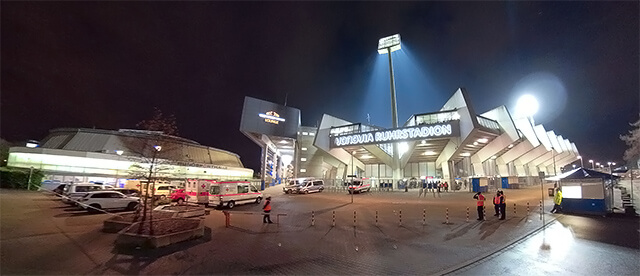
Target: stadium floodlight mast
point(388, 45)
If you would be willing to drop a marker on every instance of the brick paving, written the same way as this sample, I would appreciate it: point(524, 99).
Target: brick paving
point(70, 242)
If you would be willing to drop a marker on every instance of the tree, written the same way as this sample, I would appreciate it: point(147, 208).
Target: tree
point(632, 139)
point(4, 152)
point(151, 149)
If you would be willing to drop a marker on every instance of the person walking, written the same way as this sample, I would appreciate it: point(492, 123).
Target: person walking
point(480, 204)
point(446, 187)
point(557, 200)
point(496, 204)
point(267, 209)
point(503, 206)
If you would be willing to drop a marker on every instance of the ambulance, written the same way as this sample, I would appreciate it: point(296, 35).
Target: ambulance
point(222, 193)
point(359, 185)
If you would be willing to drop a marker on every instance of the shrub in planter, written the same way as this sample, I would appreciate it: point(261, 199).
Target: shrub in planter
point(14, 178)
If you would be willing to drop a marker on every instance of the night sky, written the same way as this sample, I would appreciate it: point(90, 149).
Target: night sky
point(107, 64)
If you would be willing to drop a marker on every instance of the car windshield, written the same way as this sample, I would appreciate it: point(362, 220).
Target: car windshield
point(356, 183)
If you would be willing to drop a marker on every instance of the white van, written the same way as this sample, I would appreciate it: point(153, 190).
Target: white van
point(223, 193)
point(75, 191)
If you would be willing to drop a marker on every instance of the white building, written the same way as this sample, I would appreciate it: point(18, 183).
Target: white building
point(85, 155)
point(453, 144)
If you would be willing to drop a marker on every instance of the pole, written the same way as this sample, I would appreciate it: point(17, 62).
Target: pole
point(376, 217)
point(394, 111)
point(400, 217)
point(313, 218)
point(424, 216)
point(29, 181)
point(351, 192)
point(333, 221)
point(467, 214)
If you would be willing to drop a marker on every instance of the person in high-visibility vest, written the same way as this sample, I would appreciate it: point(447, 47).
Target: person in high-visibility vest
point(267, 209)
point(503, 206)
point(496, 203)
point(480, 203)
point(557, 200)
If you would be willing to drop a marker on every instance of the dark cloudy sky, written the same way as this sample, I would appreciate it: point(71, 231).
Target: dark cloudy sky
point(107, 64)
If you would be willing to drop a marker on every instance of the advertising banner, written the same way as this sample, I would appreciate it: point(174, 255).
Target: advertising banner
point(268, 118)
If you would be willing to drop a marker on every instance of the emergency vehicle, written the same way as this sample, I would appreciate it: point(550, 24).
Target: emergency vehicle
point(163, 188)
point(359, 185)
point(222, 193)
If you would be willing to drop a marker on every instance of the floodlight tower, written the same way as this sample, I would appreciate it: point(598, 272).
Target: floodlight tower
point(387, 45)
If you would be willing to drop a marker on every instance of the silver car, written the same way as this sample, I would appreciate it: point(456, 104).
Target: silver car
point(311, 186)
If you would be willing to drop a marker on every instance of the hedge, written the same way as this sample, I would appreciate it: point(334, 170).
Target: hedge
point(13, 178)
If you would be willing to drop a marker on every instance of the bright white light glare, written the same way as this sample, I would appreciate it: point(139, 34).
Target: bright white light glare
point(158, 148)
point(494, 157)
point(303, 159)
point(465, 154)
point(265, 116)
point(283, 142)
point(571, 192)
point(366, 156)
point(527, 105)
point(475, 143)
point(614, 163)
point(389, 43)
point(119, 152)
point(429, 152)
point(403, 148)
point(483, 140)
point(303, 148)
point(510, 146)
point(31, 145)
point(579, 157)
point(286, 159)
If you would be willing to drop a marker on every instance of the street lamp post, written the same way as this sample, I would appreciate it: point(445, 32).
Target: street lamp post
point(387, 45)
point(592, 165)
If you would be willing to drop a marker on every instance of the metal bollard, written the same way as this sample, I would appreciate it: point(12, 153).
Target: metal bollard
point(400, 217)
point(313, 218)
point(424, 216)
point(447, 216)
point(467, 214)
point(527, 208)
point(514, 209)
point(376, 217)
point(540, 209)
point(354, 218)
point(484, 213)
point(333, 222)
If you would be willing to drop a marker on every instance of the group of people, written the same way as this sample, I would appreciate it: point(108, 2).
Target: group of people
point(499, 205)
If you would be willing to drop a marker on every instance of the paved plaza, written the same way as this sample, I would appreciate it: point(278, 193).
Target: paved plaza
point(40, 235)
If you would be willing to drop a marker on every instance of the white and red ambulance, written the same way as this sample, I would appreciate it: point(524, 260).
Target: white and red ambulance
point(222, 193)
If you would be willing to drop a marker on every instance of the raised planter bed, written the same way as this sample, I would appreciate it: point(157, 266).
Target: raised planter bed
point(117, 223)
point(183, 211)
point(165, 232)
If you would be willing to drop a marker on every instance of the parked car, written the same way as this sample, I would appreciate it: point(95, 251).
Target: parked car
point(304, 186)
point(293, 186)
point(179, 195)
point(73, 192)
point(60, 189)
point(102, 200)
point(359, 186)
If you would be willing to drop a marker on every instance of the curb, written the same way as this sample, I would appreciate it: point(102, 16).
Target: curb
point(495, 251)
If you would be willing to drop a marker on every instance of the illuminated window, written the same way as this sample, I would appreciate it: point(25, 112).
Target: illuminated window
point(303, 148)
point(303, 170)
point(305, 133)
point(303, 159)
point(312, 134)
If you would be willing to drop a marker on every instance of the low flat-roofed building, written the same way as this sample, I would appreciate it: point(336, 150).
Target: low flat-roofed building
point(108, 156)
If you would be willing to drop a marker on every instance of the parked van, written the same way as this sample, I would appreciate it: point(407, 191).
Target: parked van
point(304, 186)
point(223, 193)
point(359, 185)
